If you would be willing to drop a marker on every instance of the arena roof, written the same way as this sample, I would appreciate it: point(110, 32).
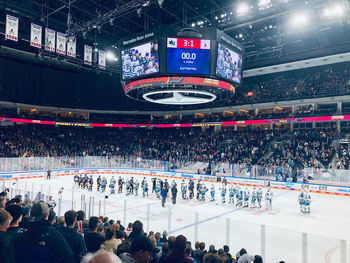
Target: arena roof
point(272, 31)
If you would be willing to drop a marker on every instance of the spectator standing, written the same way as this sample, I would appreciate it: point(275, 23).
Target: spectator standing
point(111, 244)
point(227, 252)
point(178, 254)
point(164, 239)
point(41, 242)
point(5, 220)
point(16, 213)
point(74, 239)
point(140, 251)
point(93, 240)
point(137, 230)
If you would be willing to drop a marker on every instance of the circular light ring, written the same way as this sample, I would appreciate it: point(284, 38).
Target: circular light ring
point(180, 99)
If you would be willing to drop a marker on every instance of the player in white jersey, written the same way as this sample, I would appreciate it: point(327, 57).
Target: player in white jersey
point(202, 190)
point(137, 185)
point(268, 199)
point(246, 195)
point(259, 197)
point(307, 201)
point(223, 194)
point(301, 200)
point(184, 190)
point(253, 200)
point(212, 192)
point(145, 189)
point(239, 197)
point(231, 195)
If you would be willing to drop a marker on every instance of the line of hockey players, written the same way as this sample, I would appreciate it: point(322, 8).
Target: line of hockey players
point(232, 194)
point(235, 194)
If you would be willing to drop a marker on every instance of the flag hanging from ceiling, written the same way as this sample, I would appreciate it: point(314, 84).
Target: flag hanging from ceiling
point(72, 46)
point(102, 59)
point(11, 31)
point(35, 35)
point(50, 39)
point(61, 43)
point(87, 54)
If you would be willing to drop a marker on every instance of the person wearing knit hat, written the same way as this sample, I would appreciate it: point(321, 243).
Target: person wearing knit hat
point(178, 254)
point(41, 242)
point(16, 213)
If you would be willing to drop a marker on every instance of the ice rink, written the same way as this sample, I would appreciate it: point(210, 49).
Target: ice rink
point(284, 233)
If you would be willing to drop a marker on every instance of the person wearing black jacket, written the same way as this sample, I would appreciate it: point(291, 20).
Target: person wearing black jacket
point(93, 240)
point(174, 193)
point(41, 242)
point(75, 240)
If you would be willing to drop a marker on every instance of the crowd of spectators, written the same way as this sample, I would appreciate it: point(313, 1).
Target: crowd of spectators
point(174, 145)
point(305, 148)
point(31, 232)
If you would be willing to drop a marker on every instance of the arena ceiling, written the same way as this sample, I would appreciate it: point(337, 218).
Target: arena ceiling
point(273, 31)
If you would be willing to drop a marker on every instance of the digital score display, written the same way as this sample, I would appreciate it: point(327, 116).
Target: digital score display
point(188, 56)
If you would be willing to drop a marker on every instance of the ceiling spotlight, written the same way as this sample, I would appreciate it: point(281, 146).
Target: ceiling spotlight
point(160, 3)
point(263, 3)
point(111, 21)
point(337, 10)
point(193, 24)
point(96, 49)
point(240, 35)
point(111, 56)
point(242, 9)
point(299, 20)
point(216, 18)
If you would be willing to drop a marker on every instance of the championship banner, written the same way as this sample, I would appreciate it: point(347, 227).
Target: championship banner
point(61, 43)
point(11, 31)
point(87, 54)
point(35, 35)
point(72, 47)
point(50, 39)
point(102, 59)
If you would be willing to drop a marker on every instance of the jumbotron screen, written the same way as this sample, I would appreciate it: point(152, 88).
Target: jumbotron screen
point(188, 56)
point(229, 64)
point(140, 60)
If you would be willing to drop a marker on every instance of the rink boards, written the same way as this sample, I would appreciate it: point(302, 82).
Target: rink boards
point(294, 186)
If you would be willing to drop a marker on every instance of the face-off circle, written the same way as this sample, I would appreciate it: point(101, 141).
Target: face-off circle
point(179, 90)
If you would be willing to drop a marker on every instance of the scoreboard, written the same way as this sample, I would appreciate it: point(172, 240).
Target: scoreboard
point(188, 56)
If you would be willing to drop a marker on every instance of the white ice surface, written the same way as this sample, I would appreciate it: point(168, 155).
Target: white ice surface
point(328, 223)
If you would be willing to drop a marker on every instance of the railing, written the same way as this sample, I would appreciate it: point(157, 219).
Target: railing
point(273, 172)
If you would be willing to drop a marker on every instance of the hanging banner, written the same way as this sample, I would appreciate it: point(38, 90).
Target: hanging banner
point(50, 39)
point(61, 43)
point(72, 47)
point(11, 31)
point(102, 59)
point(87, 54)
point(35, 35)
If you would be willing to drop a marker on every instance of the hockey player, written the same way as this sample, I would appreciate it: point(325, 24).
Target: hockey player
point(259, 197)
point(183, 190)
point(91, 183)
point(166, 184)
point(143, 182)
point(239, 197)
point(120, 185)
point(86, 182)
point(191, 189)
point(127, 187)
point(246, 196)
point(137, 185)
point(98, 183)
point(198, 187)
point(103, 184)
point(202, 191)
point(173, 192)
point(212, 193)
point(158, 188)
point(307, 202)
point(231, 195)
point(301, 199)
point(132, 186)
point(51, 203)
point(173, 183)
point(76, 180)
point(112, 185)
point(223, 194)
point(268, 199)
point(145, 189)
point(254, 197)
